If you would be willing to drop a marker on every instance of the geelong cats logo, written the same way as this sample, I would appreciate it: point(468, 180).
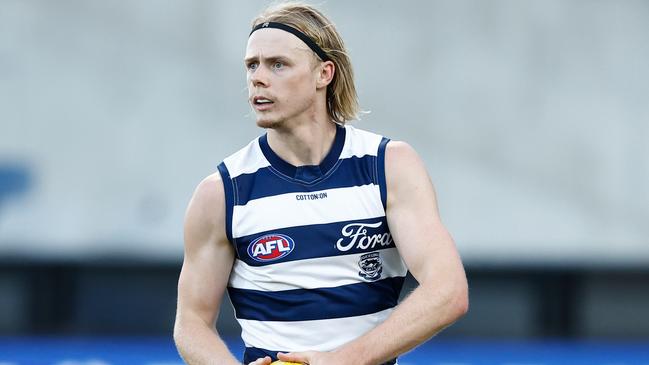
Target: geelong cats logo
point(271, 247)
point(371, 266)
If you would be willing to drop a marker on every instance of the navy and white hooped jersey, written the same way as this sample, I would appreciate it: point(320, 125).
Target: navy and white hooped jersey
point(315, 266)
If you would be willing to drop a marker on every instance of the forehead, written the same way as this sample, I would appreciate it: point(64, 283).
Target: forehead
point(273, 41)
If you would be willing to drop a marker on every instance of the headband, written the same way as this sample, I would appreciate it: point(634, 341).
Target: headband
point(305, 38)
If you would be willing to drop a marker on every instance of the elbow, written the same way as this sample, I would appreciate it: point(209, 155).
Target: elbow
point(455, 302)
point(459, 302)
point(462, 303)
point(179, 335)
point(181, 340)
point(452, 302)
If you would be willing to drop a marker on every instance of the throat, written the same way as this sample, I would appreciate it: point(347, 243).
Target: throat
point(303, 146)
point(303, 159)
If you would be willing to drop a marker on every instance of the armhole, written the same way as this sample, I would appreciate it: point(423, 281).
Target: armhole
point(380, 162)
point(229, 199)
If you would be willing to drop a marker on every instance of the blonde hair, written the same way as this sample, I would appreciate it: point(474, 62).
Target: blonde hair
point(342, 100)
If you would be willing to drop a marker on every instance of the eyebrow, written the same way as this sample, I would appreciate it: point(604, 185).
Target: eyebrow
point(270, 58)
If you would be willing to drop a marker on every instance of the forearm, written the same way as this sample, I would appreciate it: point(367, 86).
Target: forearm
point(199, 344)
point(425, 312)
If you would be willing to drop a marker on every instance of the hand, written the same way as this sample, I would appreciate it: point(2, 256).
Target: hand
point(262, 361)
point(313, 358)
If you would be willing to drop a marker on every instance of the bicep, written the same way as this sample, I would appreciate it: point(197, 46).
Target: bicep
point(422, 240)
point(208, 254)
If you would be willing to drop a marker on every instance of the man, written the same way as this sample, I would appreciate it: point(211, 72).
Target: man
point(313, 226)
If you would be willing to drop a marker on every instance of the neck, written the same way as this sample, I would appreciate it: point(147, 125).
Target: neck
point(304, 144)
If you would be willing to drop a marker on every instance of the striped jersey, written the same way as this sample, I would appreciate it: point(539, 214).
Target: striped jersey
point(315, 265)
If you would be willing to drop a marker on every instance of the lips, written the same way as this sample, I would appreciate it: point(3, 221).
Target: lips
point(262, 103)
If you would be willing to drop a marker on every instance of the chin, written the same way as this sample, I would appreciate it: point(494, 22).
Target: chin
point(268, 123)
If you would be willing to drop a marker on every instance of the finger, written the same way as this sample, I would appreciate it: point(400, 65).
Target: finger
point(262, 361)
point(302, 357)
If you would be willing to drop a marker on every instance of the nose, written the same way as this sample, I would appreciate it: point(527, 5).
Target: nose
point(259, 77)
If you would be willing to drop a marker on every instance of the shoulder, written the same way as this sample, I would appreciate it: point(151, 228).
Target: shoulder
point(400, 150)
point(209, 191)
point(402, 157)
point(405, 171)
point(205, 214)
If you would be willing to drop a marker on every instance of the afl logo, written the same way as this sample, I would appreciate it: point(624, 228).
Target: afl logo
point(271, 247)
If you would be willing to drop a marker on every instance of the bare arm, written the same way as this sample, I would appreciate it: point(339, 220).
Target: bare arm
point(430, 254)
point(204, 276)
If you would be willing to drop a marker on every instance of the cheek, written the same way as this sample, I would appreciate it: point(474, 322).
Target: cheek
point(295, 90)
point(301, 87)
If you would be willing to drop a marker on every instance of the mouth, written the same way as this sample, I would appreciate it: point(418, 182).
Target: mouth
point(262, 103)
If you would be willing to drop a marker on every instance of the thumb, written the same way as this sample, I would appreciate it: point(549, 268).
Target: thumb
point(296, 357)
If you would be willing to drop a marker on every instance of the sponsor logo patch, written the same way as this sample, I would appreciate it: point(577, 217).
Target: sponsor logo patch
point(271, 247)
point(371, 266)
point(356, 234)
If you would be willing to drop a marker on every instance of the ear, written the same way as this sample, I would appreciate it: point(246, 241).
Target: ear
point(326, 74)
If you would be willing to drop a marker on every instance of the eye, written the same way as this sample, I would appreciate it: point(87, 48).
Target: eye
point(252, 66)
point(278, 65)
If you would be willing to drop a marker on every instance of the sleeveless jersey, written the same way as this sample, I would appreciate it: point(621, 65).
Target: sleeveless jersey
point(315, 266)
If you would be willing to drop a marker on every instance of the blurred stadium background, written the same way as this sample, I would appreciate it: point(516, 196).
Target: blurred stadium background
point(532, 117)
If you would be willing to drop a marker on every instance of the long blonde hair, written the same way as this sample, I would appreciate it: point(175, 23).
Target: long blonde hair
point(342, 100)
